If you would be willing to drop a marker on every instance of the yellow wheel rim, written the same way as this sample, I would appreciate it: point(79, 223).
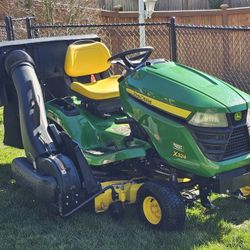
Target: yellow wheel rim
point(245, 191)
point(152, 210)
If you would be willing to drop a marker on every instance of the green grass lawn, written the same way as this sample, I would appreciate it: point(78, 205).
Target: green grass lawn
point(24, 223)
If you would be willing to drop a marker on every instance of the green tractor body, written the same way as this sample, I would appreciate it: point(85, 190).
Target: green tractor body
point(162, 98)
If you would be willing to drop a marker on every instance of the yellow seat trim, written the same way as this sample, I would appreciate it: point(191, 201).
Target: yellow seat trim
point(101, 90)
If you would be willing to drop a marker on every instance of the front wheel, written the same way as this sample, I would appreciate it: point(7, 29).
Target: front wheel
point(246, 192)
point(161, 206)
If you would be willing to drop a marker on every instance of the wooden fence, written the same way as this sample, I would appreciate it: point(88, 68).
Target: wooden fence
point(132, 5)
point(161, 5)
point(225, 17)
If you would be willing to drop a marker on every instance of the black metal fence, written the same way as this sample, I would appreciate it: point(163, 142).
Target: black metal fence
point(220, 51)
point(15, 28)
point(119, 37)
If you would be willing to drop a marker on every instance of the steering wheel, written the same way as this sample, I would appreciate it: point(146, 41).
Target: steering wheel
point(132, 62)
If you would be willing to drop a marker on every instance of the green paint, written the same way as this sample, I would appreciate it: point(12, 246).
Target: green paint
point(187, 88)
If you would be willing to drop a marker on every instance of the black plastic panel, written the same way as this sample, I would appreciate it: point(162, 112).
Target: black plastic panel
point(65, 106)
point(44, 187)
point(233, 180)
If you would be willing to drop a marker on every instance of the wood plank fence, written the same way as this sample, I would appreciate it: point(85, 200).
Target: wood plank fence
point(161, 5)
point(225, 17)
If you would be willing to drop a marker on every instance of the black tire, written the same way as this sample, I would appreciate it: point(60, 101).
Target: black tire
point(172, 206)
point(116, 210)
point(52, 210)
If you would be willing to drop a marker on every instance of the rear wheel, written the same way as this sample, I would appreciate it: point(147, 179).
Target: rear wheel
point(161, 206)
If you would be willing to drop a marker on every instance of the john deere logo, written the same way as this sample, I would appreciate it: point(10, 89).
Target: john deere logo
point(237, 116)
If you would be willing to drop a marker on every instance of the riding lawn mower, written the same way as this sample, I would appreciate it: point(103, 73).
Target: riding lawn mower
point(149, 137)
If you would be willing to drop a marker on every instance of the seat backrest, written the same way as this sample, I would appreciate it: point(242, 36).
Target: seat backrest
point(86, 59)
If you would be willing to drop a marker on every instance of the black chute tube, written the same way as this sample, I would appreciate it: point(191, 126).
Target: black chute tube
point(33, 122)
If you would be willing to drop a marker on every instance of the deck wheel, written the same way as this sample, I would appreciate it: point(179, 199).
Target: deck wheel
point(116, 210)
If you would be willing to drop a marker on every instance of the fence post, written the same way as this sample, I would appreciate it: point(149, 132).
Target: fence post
point(173, 41)
point(29, 27)
point(224, 14)
point(9, 28)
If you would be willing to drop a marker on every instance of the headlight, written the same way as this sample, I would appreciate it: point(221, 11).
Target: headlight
point(209, 120)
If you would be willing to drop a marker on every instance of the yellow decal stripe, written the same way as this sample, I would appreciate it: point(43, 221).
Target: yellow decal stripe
point(160, 105)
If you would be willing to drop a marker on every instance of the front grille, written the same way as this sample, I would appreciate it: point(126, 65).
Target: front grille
point(220, 144)
point(238, 142)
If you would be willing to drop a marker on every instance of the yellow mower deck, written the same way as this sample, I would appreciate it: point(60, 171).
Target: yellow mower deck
point(126, 190)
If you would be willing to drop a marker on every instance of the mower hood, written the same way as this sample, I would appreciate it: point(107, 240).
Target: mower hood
point(187, 88)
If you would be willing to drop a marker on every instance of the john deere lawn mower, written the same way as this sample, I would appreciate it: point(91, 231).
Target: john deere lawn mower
point(146, 137)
